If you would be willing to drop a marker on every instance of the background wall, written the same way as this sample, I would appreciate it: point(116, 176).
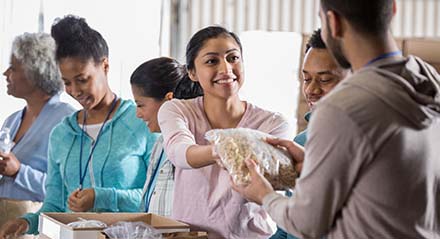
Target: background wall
point(138, 30)
point(131, 28)
point(266, 19)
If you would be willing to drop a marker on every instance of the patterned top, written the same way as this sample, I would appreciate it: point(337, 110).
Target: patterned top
point(158, 198)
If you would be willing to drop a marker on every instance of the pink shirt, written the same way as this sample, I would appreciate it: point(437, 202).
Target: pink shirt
point(203, 197)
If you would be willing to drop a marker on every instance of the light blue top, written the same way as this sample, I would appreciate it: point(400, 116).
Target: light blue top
point(31, 151)
point(118, 164)
point(301, 138)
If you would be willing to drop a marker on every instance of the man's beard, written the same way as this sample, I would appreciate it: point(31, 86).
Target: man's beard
point(335, 50)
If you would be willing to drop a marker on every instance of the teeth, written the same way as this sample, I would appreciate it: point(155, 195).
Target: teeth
point(225, 81)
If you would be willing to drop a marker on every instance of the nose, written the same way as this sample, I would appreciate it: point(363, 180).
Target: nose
point(73, 90)
point(138, 113)
point(225, 67)
point(313, 88)
point(6, 72)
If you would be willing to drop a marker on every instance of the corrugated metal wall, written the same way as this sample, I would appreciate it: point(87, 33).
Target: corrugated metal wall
point(415, 18)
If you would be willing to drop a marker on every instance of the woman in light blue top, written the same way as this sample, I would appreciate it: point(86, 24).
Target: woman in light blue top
point(32, 75)
point(97, 157)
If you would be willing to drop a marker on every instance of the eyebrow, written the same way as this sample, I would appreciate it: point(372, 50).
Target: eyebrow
point(216, 53)
point(320, 72)
point(80, 74)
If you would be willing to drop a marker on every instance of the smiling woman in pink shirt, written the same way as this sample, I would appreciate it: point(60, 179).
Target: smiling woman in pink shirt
point(203, 195)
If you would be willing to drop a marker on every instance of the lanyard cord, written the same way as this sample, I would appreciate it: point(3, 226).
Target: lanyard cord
point(383, 56)
point(83, 175)
point(154, 175)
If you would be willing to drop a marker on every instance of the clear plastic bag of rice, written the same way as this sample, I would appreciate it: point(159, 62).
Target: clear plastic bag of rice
point(234, 146)
point(132, 230)
point(84, 223)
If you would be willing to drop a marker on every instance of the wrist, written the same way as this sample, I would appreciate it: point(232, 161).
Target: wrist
point(14, 175)
point(214, 153)
point(26, 223)
point(264, 193)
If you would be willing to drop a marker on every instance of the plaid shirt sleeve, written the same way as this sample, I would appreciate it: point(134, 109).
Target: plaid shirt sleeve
point(161, 202)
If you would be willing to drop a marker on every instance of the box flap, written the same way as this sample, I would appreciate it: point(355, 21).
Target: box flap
point(154, 220)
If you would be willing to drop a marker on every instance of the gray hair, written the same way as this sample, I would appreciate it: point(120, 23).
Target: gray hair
point(36, 53)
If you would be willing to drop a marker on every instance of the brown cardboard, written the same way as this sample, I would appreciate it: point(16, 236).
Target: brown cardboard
point(54, 225)
point(176, 235)
point(426, 48)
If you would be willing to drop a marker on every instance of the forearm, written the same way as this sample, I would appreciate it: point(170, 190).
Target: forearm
point(277, 206)
point(117, 200)
point(31, 180)
point(199, 156)
point(50, 205)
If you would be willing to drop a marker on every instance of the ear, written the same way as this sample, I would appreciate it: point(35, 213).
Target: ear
point(334, 22)
point(192, 75)
point(169, 96)
point(394, 8)
point(105, 65)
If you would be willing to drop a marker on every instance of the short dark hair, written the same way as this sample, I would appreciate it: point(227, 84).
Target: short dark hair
point(371, 17)
point(199, 39)
point(156, 77)
point(315, 41)
point(74, 38)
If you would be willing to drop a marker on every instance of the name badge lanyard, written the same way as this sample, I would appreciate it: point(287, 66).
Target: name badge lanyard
point(82, 175)
point(153, 179)
point(383, 56)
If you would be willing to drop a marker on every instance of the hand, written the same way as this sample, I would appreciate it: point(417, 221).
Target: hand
point(14, 228)
point(82, 200)
point(294, 149)
point(10, 165)
point(258, 187)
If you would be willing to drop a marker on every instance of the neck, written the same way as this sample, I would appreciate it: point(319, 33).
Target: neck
point(98, 113)
point(223, 113)
point(361, 49)
point(35, 103)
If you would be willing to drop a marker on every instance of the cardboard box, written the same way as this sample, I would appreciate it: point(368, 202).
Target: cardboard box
point(426, 48)
point(54, 225)
point(176, 235)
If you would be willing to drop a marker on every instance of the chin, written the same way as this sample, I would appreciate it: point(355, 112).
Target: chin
point(154, 129)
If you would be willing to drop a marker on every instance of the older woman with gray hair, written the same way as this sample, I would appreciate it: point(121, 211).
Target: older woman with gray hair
point(33, 75)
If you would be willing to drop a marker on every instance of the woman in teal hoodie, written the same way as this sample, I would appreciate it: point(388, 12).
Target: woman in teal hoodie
point(99, 155)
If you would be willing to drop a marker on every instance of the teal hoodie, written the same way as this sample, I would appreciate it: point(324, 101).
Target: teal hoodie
point(119, 164)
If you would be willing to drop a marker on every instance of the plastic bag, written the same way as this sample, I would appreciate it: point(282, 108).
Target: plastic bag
point(132, 230)
point(83, 223)
point(6, 142)
point(236, 145)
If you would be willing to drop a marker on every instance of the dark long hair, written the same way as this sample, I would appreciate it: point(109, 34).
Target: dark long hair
point(161, 75)
point(199, 39)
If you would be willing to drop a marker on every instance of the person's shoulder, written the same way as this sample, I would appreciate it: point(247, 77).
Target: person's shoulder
point(182, 106)
point(65, 126)
point(257, 111)
point(351, 91)
point(63, 109)
point(13, 117)
point(126, 114)
point(268, 121)
point(183, 103)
